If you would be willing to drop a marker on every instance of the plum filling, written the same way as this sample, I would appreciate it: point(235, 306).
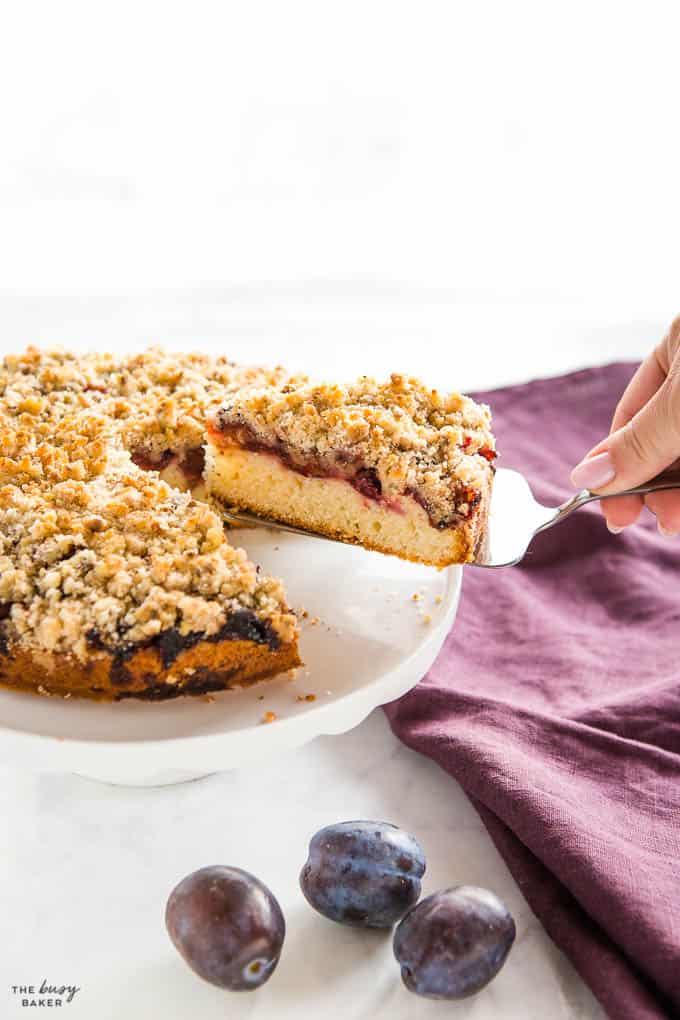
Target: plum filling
point(242, 625)
point(341, 465)
point(366, 482)
point(191, 462)
point(148, 461)
point(5, 610)
point(467, 498)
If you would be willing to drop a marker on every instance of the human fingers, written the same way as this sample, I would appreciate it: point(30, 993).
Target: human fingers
point(666, 508)
point(638, 450)
point(621, 511)
point(649, 378)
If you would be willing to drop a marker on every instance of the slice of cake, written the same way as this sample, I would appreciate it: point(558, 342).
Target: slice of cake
point(391, 466)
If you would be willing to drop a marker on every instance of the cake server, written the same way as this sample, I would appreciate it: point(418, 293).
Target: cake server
point(515, 517)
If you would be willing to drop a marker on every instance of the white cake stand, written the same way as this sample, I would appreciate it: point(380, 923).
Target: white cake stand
point(374, 625)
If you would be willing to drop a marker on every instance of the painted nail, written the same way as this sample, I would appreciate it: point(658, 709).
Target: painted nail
point(666, 532)
point(613, 528)
point(594, 472)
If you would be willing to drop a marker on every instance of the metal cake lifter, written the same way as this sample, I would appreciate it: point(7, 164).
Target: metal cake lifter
point(515, 516)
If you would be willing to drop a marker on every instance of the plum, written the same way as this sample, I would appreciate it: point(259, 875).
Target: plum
point(363, 873)
point(454, 942)
point(227, 925)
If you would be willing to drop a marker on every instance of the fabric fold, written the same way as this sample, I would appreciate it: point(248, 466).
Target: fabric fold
point(555, 702)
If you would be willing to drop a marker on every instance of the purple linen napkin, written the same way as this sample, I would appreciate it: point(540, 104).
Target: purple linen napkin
point(555, 702)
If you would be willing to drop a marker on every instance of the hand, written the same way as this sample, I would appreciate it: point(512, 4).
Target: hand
point(644, 439)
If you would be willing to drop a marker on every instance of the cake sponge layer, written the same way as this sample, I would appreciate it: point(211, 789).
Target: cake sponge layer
point(261, 484)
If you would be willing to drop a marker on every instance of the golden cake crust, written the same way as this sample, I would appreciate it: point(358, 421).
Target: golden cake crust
point(103, 676)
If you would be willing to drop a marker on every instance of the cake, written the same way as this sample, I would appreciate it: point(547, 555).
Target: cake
point(117, 578)
point(393, 466)
point(116, 581)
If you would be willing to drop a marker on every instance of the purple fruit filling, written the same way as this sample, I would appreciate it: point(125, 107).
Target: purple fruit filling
point(191, 462)
point(342, 465)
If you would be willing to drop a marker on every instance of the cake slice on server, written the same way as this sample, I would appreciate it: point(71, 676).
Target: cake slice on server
point(393, 466)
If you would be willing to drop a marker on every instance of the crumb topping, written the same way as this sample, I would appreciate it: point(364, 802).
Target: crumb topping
point(90, 543)
point(435, 446)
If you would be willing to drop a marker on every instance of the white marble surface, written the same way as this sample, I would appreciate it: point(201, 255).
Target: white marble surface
point(85, 868)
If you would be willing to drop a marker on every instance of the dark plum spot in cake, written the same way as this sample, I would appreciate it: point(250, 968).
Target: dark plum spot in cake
point(473, 499)
point(93, 638)
point(342, 465)
point(206, 680)
point(170, 644)
point(148, 461)
point(203, 681)
point(152, 692)
point(192, 464)
point(243, 625)
point(453, 519)
point(345, 457)
point(366, 482)
point(118, 674)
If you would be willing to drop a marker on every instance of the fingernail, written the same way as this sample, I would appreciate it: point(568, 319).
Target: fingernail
point(614, 530)
point(666, 532)
point(594, 472)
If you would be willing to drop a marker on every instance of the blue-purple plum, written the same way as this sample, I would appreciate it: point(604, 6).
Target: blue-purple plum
point(363, 873)
point(454, 942)
point(228, 927)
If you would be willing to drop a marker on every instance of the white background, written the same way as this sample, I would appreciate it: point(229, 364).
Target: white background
point(477, 192)
point(512, 151)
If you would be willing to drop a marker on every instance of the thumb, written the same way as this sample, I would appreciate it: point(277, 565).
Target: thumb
point(642, 448)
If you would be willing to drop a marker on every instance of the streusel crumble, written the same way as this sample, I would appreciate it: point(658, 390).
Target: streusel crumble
point(114, 583)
